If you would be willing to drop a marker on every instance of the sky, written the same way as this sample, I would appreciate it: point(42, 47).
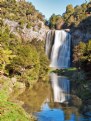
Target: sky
point(48, 7)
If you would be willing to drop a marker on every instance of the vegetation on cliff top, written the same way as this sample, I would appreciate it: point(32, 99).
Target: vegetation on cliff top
point(23, 12)
point(73, 16)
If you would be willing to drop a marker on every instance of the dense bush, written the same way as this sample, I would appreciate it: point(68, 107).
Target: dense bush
point(82, 55)
point(6, 54)
point(55, 20)
point(44, 62)
point(6, 58)
point(26, 63)
point(75, 14)
point(22, 12)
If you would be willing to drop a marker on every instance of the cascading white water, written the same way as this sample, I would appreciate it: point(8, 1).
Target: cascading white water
point(61, 88)
point(49, 43)
point(60, 50)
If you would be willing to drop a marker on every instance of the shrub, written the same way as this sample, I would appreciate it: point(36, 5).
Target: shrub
point(44, 62)
point(29, 25)
point(26, 63)
point(82, 55)
point(6, 57)
point(21, 23)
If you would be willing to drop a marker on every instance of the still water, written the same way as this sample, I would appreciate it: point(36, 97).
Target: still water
point(59, 114)
point(51, 101)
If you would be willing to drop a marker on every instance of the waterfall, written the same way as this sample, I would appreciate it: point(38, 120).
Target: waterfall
point(61, 88)
point(58, 49)
point(49, 43)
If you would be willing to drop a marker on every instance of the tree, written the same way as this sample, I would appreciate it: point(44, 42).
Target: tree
point(6, 58)
point(69, 9)
point(55, 20)
point(82, 55)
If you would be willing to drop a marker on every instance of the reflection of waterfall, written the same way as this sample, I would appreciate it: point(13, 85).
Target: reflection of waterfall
point(61, 89)
point(58, 49)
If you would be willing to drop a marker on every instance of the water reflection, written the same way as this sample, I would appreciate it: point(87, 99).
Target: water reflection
point(34, 98)
point(58, 110)
point(48, 114)
point(57, 114)
point(51, 102)
point(61, 88)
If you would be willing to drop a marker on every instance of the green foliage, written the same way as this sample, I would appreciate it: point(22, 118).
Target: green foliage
point(22, 59)
point(44, 69)
point(69, 9)
point(19, 11)
point(55, 19)
point(21, 23)
point(8, 110)
point(40, 17)
point(79, 50)
point(29, 25)
point(6, 54)
point(82, 55)
point(26, 63)
point(74, 15)
point(26, 56)
point(6, 58)
point(1, 22)
point(12, 112)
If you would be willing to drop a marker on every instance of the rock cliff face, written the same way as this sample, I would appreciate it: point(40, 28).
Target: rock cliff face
point(80, 36)
point(82, 32)
point(28, 34)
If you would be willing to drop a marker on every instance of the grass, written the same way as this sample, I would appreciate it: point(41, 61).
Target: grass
point(10, 111)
